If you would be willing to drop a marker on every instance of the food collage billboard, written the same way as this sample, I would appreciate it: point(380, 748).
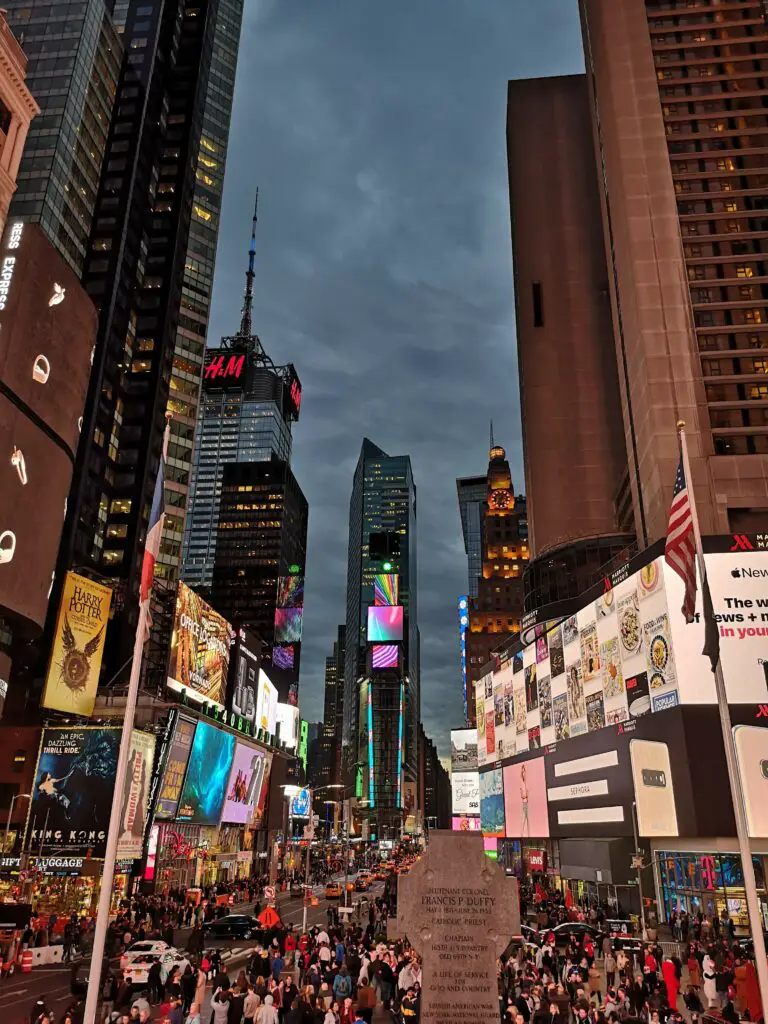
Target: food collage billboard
point(625, 654)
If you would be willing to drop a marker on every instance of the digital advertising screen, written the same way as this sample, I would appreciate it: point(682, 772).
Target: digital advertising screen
point(78, 646)
point(175, 769)
point(492, 803)
point(259, 816)
point(465, 790)
point(385, 655)
point(244, 785)
point(200, 645)
point(386, 589)
point(288, 622)
point(244, 671)
point(283, 657)
point(290, 592)
point(266, 705)
point(463, 750)
point(525, 800)
point(287, 717)
point(385, 624)
point(464, 823)
point(208, 770)
point(72, 793)
point(135, 805)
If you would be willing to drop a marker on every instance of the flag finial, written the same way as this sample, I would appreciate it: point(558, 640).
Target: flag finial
point(680, 424)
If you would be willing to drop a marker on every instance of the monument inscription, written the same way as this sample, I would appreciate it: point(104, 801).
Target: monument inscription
point(458, 909)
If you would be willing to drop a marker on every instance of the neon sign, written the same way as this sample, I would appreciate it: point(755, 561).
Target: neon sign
point(370, 747)
point(296, 395)
point(225, 369)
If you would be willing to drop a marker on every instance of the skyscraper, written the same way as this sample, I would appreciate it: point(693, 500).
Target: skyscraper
point(151, 290)
point(74, 54)
point(472, 492)
point(496, 610)
point(381, 696)
point(573, 440)
point(677, 98)
point(330, 738)
point(247, 521)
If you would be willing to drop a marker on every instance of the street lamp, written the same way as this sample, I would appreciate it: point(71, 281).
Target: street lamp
point(17, 796)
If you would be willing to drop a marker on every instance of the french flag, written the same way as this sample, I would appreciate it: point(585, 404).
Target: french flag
point(155, 529)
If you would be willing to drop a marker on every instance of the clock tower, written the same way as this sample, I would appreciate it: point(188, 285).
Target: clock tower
point(495, 614)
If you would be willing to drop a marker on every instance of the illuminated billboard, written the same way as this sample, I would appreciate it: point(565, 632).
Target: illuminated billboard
point(207, 776)
point(199, 658)
point(244, 785)
point(283, 657)
point(385, 624)
point(288, 622)
point(135, 803)
point(465, 793)
point(72, 793)
point(463, 750)
point(385, 655)
point(78, 646)
point(244, 670)
point(48, 326)
point(266, 704)
point(386, 590)
point(290, 592)
point(224, 370)
point(287, 717)
point(492, 803)
point(175, 769)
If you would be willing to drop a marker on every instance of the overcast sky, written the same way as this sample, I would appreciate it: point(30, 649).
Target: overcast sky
point(375, 130)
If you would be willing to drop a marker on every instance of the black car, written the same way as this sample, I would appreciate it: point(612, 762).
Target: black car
point(232, 926)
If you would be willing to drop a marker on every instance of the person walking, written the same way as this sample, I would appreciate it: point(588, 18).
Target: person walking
point(193, 1017)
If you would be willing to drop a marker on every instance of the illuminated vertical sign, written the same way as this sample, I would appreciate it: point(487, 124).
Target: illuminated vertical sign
point(463, 627)
point(370, 746)
point(400, 748)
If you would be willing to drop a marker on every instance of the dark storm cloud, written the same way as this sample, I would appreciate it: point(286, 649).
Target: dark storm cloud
point(376, 132)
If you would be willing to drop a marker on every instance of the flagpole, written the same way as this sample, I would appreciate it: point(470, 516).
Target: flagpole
point(734, 776)
point(110, 855)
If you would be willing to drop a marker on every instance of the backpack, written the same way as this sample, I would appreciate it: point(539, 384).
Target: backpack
point(342, 986)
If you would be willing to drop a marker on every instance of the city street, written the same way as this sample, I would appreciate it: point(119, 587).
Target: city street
point(19, 992)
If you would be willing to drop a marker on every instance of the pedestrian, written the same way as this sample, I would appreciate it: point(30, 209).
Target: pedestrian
point(266, 1014)
point(155, 985)
point(366, 1001)
point(610, 964)
point(251, 1006)
point(669, 974)
point(220, 1006)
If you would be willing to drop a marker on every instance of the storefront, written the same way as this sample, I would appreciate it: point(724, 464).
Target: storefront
point(707, 881)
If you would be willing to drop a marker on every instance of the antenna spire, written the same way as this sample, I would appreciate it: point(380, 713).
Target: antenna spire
point(491, 433)
point(246, 328)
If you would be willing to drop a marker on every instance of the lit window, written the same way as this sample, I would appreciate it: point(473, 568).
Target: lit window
point(112, 557)
point(201, 213)
point(753, 316)
point(120, 506)
point(141, 366)
point(117, 531)
point(731, 207)
point(743, 271)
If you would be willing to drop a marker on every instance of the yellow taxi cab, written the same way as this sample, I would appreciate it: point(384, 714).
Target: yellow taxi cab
point(333, 891)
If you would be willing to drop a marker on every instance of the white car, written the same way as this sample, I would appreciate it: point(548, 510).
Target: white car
point(138, 970)
point(137, 949)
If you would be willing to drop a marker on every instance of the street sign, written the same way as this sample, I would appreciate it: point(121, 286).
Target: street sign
point(269, 893)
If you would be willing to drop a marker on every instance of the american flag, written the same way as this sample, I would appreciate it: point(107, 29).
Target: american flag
point(680, 549)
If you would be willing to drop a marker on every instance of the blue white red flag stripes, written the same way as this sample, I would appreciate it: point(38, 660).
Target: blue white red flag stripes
point(680, 549)
point(155, 527)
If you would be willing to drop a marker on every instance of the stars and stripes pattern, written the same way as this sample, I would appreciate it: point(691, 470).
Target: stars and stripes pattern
point(680, 549)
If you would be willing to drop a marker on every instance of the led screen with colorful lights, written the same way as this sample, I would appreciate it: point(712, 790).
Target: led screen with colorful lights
point(282, 657)
point(385, 590)
point(288, 625)
point(385, 625)
point(385, 655)
point(290, 592)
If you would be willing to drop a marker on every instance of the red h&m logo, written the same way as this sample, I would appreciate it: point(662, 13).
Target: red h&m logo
point(296, 394)
point(741, 542)
point(225, 368)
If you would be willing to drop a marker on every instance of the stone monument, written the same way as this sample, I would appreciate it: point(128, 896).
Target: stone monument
point(458, 910)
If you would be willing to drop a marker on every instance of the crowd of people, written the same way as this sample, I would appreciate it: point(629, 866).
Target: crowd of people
point(339, 973)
